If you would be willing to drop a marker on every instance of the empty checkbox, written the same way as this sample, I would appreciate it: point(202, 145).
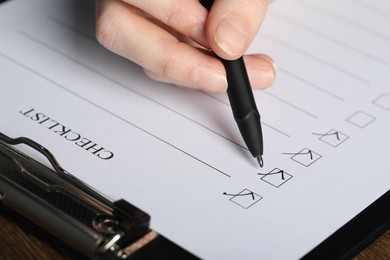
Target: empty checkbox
point(361, 119)
point(383, 101)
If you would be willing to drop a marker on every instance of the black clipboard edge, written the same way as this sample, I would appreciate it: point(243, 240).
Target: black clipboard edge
point(160, 248)
point(356, 234)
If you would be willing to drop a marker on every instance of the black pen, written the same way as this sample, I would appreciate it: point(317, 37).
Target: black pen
point(242, 102)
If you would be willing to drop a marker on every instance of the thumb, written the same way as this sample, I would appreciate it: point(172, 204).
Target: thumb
point(232, 25)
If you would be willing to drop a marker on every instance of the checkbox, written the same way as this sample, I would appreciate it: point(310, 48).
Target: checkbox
point(383, 101)
point(276, 177)
point(361, 119)
point(333, 137)
point(245, 198)
point(306, 157)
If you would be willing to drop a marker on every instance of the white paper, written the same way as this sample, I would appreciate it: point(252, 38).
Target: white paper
point(177, 153)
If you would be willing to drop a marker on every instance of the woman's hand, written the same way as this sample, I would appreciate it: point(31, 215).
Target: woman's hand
point(171, 39)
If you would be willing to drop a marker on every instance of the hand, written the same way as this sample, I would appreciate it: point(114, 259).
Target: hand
point(171, 39)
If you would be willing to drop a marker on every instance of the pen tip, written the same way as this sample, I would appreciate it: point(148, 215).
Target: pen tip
point(260, 160)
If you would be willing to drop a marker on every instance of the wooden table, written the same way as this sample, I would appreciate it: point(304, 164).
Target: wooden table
point(17, 242)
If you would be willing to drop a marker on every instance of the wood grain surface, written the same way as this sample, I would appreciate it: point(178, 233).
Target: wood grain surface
point(20, 242)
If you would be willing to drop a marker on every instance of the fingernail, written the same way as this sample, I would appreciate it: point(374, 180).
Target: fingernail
point(275, 66)
point(209, 79)
point(231, 35)
point(261, 78)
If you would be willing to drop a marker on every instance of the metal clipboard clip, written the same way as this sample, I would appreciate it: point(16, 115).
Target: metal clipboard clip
point(73, 212)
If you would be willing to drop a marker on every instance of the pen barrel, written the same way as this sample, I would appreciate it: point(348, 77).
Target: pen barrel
point(239, 90)
point(242, 101)
point(243, 105)
point(207, 4)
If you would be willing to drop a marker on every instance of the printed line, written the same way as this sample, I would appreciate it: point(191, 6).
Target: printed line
point(317, 59)
point(109, 112)
point(310, 84)
point(215, 98)
point(76, 30)
point(329, 38)
point(275, 129)
point(72, 28)
point(372, 8)
point(128, 88)
point(264, 123)
point(344, 20)
point(291, 105)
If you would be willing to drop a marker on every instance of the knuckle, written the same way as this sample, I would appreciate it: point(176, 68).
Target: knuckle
point(168, 66)
point(172, 17)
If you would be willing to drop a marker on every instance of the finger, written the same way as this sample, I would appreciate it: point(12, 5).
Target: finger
point(122, 30)
point(261, 72)
point(232, 26)
point(187, 17)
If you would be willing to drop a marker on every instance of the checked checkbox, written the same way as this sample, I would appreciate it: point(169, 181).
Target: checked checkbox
point(276, 177)
point(333, 137)
point(245, 198)
point(306, 157)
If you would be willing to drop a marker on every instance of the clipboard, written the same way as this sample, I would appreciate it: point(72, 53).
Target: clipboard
point(349, 231)
point(74, 213)
point(19, 179)
point(356, 234)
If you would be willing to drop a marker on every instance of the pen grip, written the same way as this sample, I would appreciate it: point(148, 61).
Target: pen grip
point(243, 105)
point(239, 91)
point(242, 101)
